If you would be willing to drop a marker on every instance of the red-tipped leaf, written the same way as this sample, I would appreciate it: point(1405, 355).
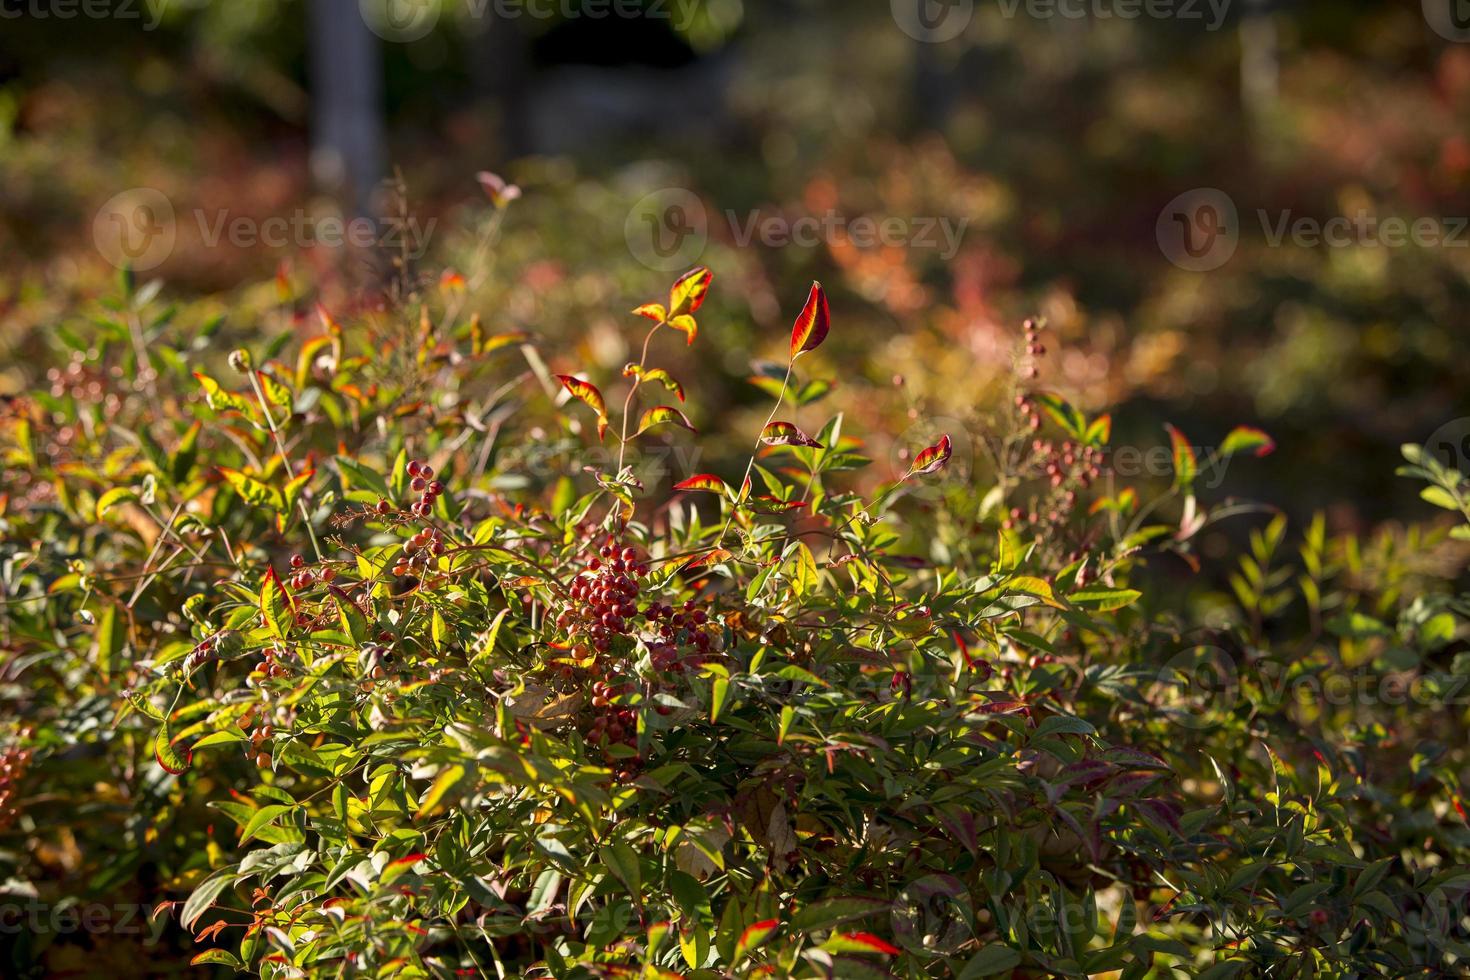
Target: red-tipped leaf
point(787, 434)
point(688, 292)
point(703, 481)
point(586, 392)
point(932, 459)
point(812, 325)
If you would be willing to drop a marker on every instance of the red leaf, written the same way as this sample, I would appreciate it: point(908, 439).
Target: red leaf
point(931, 460)
point(703, 481)
point(812, 325)
point(653, 311)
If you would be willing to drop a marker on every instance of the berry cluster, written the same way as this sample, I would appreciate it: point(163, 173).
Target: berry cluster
point(1065, 468)
point(604, 598)
point(617, 723)
point(275, 662)
point(14, 762)
point(422, 482)
point(303, 576)
point(678, 628)
point(257, 749)
point(375, 660)
point(1035, 349)
point(420, 549)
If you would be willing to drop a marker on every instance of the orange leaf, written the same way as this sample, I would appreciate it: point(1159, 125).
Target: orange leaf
point(685, 324)
point(688, 292)
point(703, 481)
point(587, 393)
point(786, 434)
point(931, 460)
point(653, 311)
point(812, 325)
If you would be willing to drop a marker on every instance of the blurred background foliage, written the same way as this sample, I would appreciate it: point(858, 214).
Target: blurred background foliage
point(1056, 140)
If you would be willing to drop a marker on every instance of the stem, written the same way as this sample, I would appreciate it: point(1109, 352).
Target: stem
point(785, 382)
point(637, 380)
point(285, 458)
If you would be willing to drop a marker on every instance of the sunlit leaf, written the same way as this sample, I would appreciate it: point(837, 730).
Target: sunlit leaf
point(587, 392)
point(812, 324)
point(787, 434)
point(653, 311)
point(1244, 439)
point(1186, 465)
point(689, 291)
point(704, 481)
point(660, 415)
point(932, 459)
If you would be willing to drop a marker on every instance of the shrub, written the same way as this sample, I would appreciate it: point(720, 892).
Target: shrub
point(317, 654)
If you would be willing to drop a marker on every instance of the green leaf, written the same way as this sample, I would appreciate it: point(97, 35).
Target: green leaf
point(443, 783)
point(1105, 600)
point(989, 961)
point(263, 818)
point(204, 895)
point(834, 911)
